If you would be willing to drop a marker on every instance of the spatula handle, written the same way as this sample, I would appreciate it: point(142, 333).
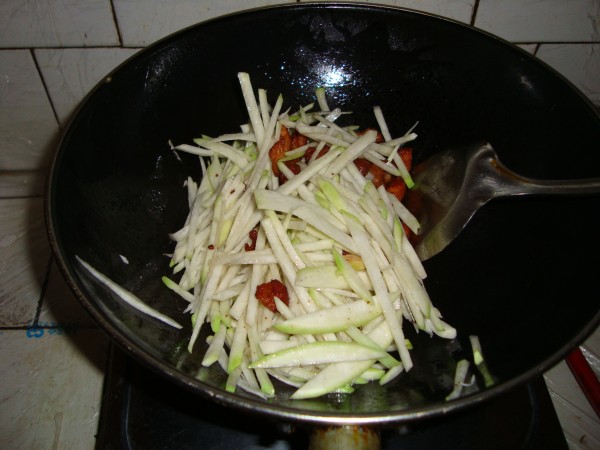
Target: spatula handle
point(561, 187)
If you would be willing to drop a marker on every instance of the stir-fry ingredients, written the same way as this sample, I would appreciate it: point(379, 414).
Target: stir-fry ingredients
point(296, 251)
point(128, 297)
point(479, 361)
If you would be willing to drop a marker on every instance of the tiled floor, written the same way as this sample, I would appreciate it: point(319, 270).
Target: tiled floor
point(53, 355)
point(52, 384)
point(52, 52)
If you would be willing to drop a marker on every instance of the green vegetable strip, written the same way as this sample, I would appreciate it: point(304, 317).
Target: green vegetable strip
point(286, 264)
point(202, 303)
point(361, 240)
point(263, 154)
point(352, 152)
point(311, 170)
point(322, 99)
point(177, 289)
point(263, 106)
point(215, 348)
point(460, 375)
point(126, 296)
point(252, 107)
point(336, 375)
point(257, 277)
point(318, 353)
point(245, 219)
point(351, 277)
point(238, 345)
point(239, 305)
point(263, 378)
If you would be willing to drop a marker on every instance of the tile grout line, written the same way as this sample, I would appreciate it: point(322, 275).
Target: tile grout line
point(140, 47)
point(116, 23)
point(475, 8)
point(19, 197)
point(38, 310)
point(69, 47)
point(48, 327)
point(48, 96)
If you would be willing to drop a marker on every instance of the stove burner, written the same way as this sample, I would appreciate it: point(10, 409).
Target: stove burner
point(135, 415)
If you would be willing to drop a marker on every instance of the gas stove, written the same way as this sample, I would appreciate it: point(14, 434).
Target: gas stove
point(140, 410)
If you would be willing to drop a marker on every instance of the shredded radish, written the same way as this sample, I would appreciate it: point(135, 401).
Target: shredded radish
point(311, 231)
point(128, 297)
point(332, 241)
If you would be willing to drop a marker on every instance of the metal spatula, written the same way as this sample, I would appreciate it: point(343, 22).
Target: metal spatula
point(453, 184)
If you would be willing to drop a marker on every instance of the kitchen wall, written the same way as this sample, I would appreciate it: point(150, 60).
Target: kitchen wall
point(53, 51)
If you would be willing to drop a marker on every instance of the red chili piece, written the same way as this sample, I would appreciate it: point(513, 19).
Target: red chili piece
point(311, 151)
point(286, 143)
point(279, 148)
point(267, 292)
point(252, 244)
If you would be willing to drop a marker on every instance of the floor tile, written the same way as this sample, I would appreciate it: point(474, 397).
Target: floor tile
point(60, 307)
point(24, 257)
point(22, 183)
point(71, 73)
point(51, 389)
point(540, 21)
point(529, 48)
point(580, 423)
point(50, 23)
point(579, 63)
point(28, 128)
point(144, 21)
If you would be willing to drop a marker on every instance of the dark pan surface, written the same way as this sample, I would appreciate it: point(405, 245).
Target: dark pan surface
point(523, 276)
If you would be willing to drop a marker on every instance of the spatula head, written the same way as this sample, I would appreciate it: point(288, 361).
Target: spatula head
point(447, 192)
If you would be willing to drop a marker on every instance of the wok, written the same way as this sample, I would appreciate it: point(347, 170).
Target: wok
point(522, 276)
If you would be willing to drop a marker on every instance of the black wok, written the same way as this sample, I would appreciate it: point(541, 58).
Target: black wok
point(522, 276)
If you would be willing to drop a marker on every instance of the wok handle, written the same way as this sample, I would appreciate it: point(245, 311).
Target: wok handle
point(586, 378)
point(345, 437)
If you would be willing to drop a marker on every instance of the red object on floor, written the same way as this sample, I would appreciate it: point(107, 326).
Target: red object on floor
point(586, 378)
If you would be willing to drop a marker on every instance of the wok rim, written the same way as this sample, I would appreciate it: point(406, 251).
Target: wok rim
point(248, 404)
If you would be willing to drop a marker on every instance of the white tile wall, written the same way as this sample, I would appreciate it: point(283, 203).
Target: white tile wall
point(142, 22)
point(52, 52)
point(59, 34)
point(70, 73)
point(541, 21)
point(27, 123)
point(579, 63)
point(529, 48)
point(461, 10)
point(57, 23)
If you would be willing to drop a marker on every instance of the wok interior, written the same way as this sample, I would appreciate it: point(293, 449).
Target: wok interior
point(521, 277)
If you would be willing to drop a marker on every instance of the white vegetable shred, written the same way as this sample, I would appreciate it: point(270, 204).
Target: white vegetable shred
point(297, 262)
